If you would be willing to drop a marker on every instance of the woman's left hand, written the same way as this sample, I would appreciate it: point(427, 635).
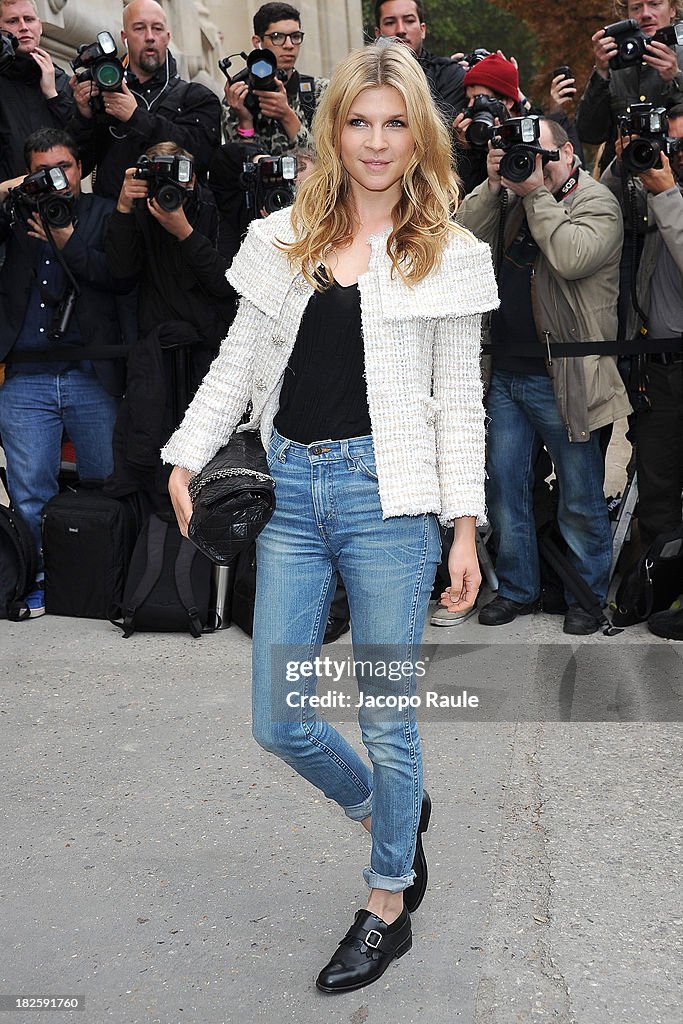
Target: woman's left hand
point(463, 566)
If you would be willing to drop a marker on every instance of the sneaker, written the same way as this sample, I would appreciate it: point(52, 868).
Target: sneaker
point(442, 617)
point(35, 602)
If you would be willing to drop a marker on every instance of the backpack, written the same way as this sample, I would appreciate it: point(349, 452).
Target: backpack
point(168, 585)
point(653, 583)
point(88, 540)
point(18, 564)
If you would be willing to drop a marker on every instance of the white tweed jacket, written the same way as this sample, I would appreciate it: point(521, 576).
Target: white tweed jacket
point(422, 368)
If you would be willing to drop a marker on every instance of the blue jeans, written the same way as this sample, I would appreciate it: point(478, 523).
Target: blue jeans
point(34, 410)
point(523, 415)
point(328, 517)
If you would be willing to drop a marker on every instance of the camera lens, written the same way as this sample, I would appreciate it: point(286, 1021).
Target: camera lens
point(518, 164)
point(109, 75)
point(641, 155)
point(169, 197)
point(278, 199)
point(479, 133)
point(57, 212)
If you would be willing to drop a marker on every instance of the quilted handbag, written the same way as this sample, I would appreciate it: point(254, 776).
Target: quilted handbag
point(233, 498)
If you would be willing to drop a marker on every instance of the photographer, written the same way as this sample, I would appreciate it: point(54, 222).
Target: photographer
point(405, 20)
point(47, 268)
point(34, 93)
point(153, 105)
point(659, 291)
point(278, 118)
point(495, 78)
point(164, 231)
point(558, 281)
point(655, 77)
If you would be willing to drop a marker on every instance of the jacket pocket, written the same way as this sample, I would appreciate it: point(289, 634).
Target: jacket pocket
point(600, 374)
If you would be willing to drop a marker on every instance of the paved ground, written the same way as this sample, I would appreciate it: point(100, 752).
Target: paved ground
point(157, 862)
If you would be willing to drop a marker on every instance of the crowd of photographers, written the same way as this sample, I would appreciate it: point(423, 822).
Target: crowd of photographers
point(140, 260)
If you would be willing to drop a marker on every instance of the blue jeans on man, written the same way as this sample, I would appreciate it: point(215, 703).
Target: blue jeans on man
point(35, 409)
point(523, 414)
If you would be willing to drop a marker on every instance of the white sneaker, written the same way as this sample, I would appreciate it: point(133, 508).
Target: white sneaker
point(442, 617)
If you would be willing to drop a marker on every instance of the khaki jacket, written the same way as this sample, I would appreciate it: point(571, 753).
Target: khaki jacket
point(575, 288)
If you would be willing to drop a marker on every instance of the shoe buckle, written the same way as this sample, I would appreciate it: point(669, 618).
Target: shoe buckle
point(373, 944)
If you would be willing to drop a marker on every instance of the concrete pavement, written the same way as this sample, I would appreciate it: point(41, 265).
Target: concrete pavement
point(156, 861)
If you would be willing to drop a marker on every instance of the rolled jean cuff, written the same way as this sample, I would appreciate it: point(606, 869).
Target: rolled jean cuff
point(376, 881)
point(359, 812)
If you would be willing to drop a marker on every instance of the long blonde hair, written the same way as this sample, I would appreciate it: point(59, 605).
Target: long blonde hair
point(323, 214)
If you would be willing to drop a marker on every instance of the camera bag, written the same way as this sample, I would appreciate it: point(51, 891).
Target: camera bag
point(653, 583)
point(88, 540)
point(18, 562)
point(168, 588)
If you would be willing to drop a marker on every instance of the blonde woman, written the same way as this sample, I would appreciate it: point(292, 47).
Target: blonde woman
point(357, 342)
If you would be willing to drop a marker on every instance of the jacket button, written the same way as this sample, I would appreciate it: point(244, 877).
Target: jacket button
point(277, 340)
point(260, 384)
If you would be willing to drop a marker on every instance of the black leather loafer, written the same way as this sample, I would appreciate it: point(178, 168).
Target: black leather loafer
point(365, 952)
point(503, 609)
point(414, 894)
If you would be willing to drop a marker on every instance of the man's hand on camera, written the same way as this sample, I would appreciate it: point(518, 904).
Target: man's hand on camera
point(47, 73)
point(493, 168)
point(173, 221)
point(83, 92)
point(663, 59)
point(460, 125)
point(133, 188)
point(120, 105)
point(658, 179)
point(530, 184)
point(60, 236)
point(235, 95)
point(276, 105)
point(604, 47)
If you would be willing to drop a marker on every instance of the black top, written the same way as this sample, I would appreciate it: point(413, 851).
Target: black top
point(324, 395)
point(512, 324)
point(24, 109)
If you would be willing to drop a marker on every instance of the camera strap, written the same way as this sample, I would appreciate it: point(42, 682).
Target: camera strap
point(570, 184)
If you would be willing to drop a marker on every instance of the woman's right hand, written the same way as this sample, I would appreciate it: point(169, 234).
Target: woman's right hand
point(180, 496)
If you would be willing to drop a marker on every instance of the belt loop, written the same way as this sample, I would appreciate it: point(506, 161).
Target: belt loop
point(344, 446)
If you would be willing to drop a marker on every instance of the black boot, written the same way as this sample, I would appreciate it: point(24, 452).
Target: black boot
point(365, 952)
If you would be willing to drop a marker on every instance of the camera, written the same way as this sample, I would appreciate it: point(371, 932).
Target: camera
point(651, 125)
point(98, 62)
point(631, 41)
point(8, 48)
point(519, 136)
point(476, 55)
point(169, 179)
point(46, 193)
point(483, 110)
point(672, 35)
point(262, 74)
point(269, 183)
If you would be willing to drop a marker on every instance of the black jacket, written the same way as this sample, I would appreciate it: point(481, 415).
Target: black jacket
point(96, 307)
point(24, 109)
point(446, 81)
point(169, 110)
point(178, 280)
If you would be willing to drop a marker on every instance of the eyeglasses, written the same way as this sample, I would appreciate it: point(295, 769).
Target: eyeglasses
point(278, 38)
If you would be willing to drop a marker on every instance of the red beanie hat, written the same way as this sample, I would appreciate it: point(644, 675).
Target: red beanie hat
point(496, 73)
